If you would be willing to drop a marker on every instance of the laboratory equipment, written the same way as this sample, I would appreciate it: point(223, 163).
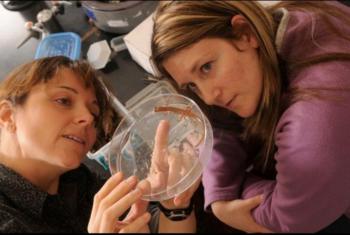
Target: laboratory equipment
point(99, 54)
point(65, 44)
point(118, 16)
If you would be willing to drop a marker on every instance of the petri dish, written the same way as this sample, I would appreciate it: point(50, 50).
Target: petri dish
point(172, 166)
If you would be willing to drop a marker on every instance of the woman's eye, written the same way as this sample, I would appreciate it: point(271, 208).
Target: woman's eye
point(205, 68)
point(63, 101)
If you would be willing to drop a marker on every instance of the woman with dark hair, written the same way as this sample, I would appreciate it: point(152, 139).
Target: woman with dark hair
point(53, 111)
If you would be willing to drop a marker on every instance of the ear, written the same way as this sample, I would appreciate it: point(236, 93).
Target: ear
point(7, 120)
point(243, 30)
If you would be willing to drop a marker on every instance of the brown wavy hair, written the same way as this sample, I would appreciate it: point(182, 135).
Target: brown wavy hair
point(18, 84)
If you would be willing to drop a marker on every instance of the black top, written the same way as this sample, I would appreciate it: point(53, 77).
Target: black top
point(26, 208)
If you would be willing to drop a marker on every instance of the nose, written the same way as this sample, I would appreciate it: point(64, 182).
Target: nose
point(84, 117)
point(210, 94)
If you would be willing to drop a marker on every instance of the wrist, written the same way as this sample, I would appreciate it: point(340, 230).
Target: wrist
point(177, 214)
point(170, 204)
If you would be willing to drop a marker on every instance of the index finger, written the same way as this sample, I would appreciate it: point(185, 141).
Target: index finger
point(159, 162)
point(161, 140)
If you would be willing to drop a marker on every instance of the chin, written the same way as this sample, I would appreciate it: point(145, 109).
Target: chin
point(71, 166)
point(72, 162)
point(244, 115)
point(247, 113)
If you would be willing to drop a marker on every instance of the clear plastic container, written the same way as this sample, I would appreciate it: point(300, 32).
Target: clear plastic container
point(66, 44)
point(153, 89)
point(180, 162)
point(99, 54)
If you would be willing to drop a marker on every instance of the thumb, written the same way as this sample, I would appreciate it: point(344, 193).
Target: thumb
point(140, 206)
point(253, 202)
point(137, 209)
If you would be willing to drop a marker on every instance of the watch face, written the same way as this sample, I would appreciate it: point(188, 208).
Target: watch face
point(177, 215)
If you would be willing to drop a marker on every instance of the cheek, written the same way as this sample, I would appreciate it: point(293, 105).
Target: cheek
point(230, 77)
point(39, 126)
point(92, 136)
point(31, 125)
point(35, 139)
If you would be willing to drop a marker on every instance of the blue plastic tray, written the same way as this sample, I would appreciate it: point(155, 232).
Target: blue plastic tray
point(65, 44)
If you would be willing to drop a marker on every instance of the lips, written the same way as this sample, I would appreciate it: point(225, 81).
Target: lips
point(229, 103)
point(75, 139)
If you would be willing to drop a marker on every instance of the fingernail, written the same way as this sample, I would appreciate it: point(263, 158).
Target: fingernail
point(138, 192)
point(138, 188)
point(144, 186)
point(131, 180)
point(118, 175)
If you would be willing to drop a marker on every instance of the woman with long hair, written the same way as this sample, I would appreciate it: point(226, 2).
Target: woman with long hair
point(283, 69)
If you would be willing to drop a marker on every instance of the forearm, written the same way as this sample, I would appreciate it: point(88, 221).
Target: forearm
point(291, 208)
point(224, 173)
point(187, 225)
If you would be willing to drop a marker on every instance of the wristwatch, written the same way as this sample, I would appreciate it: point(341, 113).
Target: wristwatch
point(177, 214)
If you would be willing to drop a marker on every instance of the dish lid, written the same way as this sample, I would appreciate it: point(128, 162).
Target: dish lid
point(166, 140)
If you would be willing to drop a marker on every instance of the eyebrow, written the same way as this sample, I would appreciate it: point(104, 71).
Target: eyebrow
point(69, 88)
point(203, 58)
point(193, 69)
point(76, 92)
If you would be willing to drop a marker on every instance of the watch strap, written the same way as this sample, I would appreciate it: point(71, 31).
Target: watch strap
point(177, 214)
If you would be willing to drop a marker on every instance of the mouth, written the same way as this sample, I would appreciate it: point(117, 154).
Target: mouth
point(75, 139)
point(230, 102)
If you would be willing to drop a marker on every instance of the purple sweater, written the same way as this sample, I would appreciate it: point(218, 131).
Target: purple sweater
point(312, 186)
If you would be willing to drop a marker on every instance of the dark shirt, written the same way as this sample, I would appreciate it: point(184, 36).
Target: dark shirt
point(26, 208)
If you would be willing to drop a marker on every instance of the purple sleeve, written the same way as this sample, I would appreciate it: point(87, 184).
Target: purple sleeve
point(223, 175)
point(312, 187)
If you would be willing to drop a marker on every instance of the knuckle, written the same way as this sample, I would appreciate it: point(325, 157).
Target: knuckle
point(103, 205)
point(97, 197)
point(107, 215)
